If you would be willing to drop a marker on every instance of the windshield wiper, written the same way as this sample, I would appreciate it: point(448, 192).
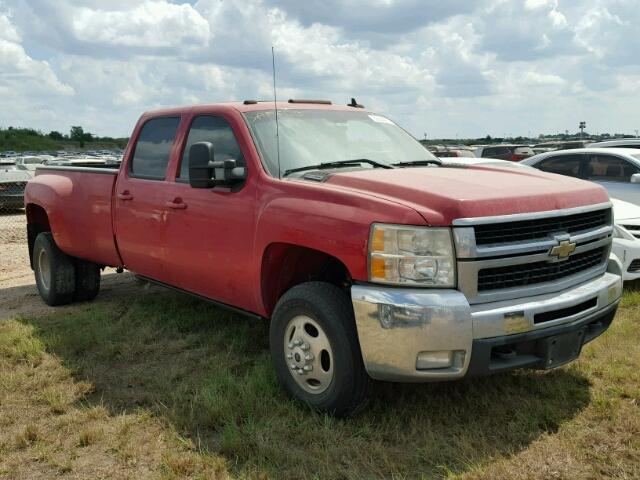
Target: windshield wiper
point(338, 163)
point(417, 163)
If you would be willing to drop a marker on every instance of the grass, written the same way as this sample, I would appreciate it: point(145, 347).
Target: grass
point(169, 387)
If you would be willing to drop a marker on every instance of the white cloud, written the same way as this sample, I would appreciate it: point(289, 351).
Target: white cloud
point(491, 66)
point(152, 24)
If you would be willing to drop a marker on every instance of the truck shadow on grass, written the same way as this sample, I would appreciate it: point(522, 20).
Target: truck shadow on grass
point(208, 373)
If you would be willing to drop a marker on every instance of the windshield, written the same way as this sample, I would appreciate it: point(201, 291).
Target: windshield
point(311, 137)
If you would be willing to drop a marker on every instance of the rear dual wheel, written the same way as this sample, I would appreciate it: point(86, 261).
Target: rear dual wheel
point(315, 349)
point(62, 279)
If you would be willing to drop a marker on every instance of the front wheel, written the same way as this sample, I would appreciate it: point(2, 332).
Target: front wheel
point(315, 349)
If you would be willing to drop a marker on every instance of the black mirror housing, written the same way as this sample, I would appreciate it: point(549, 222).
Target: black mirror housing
point(204, 172)
point(200, 172)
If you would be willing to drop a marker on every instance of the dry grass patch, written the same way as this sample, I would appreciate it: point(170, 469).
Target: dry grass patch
point(169, 387)
point(48, 429)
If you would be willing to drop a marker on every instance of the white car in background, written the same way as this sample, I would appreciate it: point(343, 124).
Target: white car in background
point(626, 238)
point(616, 169)
point(619, 143)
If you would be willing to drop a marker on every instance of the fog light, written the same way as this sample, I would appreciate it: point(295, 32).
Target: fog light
point(440, 359)
point(402, 316)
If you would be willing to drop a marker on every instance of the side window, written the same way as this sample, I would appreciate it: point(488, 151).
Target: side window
point(488, 152)
point(563, 165)
point(610, 168)
point(153, 148)
point(216, 130)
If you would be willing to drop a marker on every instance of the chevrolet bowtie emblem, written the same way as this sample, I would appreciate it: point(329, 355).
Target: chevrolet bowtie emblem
point(563, 249)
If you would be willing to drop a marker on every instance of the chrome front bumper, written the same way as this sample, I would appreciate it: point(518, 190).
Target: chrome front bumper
point(398, 326)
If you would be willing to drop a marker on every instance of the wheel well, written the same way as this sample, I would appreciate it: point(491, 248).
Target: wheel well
point(285, 265)
point(37, 222)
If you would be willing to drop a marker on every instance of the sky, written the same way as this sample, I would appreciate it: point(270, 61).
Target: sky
point(441, 68)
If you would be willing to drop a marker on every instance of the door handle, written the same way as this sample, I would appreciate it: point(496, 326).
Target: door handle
point(125, 196)
point(177, 204)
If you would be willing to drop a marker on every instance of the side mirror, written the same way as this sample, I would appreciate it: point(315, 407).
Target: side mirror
point(204, 172)
point(635, 178)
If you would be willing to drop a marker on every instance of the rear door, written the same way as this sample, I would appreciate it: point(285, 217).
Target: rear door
point(210, 231)
point(614, 174)
point(140, 196)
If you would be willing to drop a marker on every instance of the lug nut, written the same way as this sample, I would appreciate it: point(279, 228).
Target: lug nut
point(293, 366)
point(308, 357)
point(290, 345)
point(300, 371)
point(289, 356)
point(308, 368)
point(297, 342)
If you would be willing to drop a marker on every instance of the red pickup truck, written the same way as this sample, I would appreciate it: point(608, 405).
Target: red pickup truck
point(370, 258)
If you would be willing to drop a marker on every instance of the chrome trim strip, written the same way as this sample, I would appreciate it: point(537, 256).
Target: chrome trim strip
point(64, 168)
point(464, 222)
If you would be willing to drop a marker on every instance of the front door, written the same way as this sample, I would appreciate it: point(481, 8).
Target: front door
point(210, 231)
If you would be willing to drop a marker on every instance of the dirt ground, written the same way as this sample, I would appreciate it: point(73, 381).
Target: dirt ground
point(18, 294)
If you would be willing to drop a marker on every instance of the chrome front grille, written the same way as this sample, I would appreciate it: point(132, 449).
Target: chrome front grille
point(540, 228)
point(538, 272)
point(526, 259)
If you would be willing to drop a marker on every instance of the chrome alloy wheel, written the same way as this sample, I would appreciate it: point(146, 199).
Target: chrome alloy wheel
point(44, 268)
point(308, 354)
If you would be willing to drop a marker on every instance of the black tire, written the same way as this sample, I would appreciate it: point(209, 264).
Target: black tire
point(331, 309)
point(57, 284)
point(87, 280)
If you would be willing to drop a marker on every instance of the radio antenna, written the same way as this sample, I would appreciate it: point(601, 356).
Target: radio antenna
point(275, 106)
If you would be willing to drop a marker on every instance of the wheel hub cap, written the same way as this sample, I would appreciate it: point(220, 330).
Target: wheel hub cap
point(308, 354)
point(43, 268)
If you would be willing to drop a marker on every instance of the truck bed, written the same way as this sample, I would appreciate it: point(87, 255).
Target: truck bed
point(78, 202)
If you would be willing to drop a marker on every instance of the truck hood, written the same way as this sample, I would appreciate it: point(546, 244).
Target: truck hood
point(443, 194)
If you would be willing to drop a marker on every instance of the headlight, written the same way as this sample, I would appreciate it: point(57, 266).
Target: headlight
point(402, 255)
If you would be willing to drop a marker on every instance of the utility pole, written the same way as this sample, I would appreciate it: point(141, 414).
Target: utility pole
point(425, 136)
point(636, 133)
point(583, 125)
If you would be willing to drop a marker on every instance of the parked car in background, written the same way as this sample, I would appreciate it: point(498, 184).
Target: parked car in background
point(616, 169)
point(12, 184)
point(453, 152)
point(626, 238)
point(559, 145)
point(29, 163)
point(619, 143)
point(513, 153)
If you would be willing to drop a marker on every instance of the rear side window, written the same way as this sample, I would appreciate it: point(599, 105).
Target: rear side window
point(153, 148)
point(609, 168)
point(207, 128)
point(563, 165)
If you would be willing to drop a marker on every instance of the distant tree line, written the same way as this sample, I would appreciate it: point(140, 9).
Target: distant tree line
point(14, 138)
